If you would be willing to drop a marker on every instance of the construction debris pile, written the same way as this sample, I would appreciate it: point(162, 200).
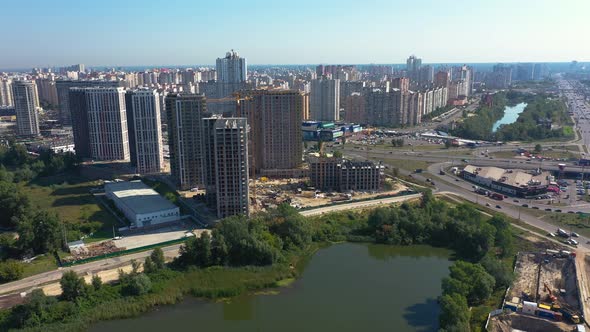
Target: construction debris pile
point(544, 295)
point(91, 250)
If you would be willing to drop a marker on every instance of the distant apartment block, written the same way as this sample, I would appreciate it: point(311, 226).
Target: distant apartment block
point(324, 99)
point(6, 98)
point(26, 105)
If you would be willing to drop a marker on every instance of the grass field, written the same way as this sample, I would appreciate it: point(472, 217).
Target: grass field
point(41, 264)
point(70, 198)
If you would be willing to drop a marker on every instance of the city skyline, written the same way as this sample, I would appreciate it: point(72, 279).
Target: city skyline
point(331, 32)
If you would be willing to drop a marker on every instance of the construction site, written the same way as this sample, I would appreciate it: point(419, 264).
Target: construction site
point(544, 295)
point(268, 193)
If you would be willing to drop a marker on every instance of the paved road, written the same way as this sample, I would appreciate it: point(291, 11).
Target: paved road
point(31, 282)
point(356, 205)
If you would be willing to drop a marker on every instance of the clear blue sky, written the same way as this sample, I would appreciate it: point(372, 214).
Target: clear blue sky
point(158, 32)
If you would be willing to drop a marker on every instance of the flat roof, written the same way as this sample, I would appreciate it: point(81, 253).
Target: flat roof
point(138, 197)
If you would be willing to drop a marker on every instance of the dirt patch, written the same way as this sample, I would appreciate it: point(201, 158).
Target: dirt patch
point(509, 322)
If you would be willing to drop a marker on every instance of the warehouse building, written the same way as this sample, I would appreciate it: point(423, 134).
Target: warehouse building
point(141, 204)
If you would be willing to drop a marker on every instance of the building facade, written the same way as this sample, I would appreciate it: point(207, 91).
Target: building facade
point(231, 166)
point(275, 118)
point(63, 87)
point(324, 100)
point(26, 105)
point(344, 175)
point(145, 130)
point(107, 123)
point(6, 98)
point(184, 112)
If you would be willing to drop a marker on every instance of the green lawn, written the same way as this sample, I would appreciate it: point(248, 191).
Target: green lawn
point(409, 165)
point(41, 264)
point(569, 221)
point(70, 198)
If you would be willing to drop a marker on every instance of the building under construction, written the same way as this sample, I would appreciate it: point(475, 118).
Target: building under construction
point(330, 173)
point(543, 297)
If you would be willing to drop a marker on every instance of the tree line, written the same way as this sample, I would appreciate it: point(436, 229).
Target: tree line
point(536, 121)
point(39, 231)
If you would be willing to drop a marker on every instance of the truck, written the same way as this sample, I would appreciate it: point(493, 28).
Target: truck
point(562, 233)
point(496, 196)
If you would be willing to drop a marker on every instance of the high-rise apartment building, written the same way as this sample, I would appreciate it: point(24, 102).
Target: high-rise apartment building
point(209, 152)
point(107, 123)
point(26, 105)
point(79, 116)
point(6, 98)
point(63, 87)
point(275, 118)
point(47, 90)
point(232, 74)
point(231, 166)
point(184, 112)
point(324, 99)
point(413, 65)
point(393, 108)
point(145, 130)
point(442, 79)
point(232, 68)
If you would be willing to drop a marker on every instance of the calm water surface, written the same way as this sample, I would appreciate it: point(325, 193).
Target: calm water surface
point(511, 114)
point(345, 287)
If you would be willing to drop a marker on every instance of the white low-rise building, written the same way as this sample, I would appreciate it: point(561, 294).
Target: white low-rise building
point(142, 205)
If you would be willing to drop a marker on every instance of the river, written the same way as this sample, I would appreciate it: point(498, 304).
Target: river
point(344, 287)
point(511, 114)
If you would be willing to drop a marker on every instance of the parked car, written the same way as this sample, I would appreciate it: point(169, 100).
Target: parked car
point(498, 207)
point(574, 234)
point(525, 205)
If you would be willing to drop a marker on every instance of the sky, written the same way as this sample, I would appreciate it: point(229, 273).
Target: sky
point(40, 33)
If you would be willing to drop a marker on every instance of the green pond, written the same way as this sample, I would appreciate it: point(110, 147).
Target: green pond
point(344, 287)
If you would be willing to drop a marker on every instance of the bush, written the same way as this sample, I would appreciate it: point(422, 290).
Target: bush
point(11, 270)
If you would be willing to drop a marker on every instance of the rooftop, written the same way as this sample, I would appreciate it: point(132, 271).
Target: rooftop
point(138, 197)
point(516, 178)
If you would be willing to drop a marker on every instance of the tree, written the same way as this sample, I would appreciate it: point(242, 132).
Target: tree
point(448, 144)
point(138, 285)
point(149, 266)
point(497, 269)
point(96, 282)
point(158, 259)
point(203, 248)
point(219, 250)
point(11, 270)
point(469, 280)
point(453, 312)
point(40, 233)
point(337, 154)
point(72, 286)
point(538, 148)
